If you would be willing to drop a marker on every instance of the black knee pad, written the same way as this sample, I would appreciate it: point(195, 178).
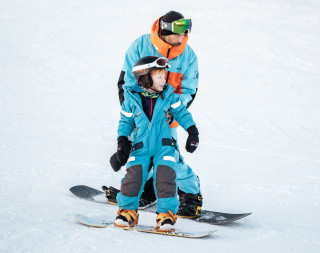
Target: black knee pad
point(132, 182)
point(165, 182)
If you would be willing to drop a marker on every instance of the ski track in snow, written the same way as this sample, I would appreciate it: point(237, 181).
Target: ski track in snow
point(257, 110)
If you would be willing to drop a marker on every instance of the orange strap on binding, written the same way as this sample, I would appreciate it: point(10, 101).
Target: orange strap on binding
point(163, 216)
point(129, 214)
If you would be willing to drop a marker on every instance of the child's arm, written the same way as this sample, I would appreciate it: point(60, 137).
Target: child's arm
point(126, 123)
point(180, 112)
point(125, 128)
point(184, 118)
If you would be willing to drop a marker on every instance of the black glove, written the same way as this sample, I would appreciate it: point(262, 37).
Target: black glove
point(193, 139)
point(115, 164)
point(123, 151)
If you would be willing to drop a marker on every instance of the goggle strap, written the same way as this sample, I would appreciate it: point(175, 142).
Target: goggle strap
point(165, 25)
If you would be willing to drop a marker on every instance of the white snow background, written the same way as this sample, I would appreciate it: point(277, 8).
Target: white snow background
point(257, 110)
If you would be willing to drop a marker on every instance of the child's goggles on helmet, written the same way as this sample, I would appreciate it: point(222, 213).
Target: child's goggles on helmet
point(178, 26)
point(161, 62)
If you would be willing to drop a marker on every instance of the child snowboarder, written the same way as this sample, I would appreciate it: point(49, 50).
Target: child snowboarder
point(143, 115)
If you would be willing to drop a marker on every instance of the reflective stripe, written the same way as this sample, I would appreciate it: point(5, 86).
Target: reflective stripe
point(127, 114)
point(176, 105)
point(131, 159)
point(169, 158)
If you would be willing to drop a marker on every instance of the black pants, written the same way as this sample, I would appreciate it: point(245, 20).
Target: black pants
point(148, 191)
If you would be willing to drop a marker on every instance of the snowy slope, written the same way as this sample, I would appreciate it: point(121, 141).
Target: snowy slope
point(257, 110)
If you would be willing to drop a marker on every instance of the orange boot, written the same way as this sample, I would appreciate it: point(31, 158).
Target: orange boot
point(126, 218)
point(165, 222)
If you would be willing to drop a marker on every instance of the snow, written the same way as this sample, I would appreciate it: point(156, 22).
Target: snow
point(257, 110)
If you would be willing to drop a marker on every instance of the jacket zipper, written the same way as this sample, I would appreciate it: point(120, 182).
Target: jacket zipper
point(168, 52)
point(168, 77)
point(168, 71)
point(151, 108)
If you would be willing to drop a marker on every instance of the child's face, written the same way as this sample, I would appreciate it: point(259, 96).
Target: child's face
point(159, 80)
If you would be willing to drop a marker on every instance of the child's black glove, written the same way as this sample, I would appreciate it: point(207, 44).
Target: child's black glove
point(193, 139)
point(115, 164)
point(123, 152)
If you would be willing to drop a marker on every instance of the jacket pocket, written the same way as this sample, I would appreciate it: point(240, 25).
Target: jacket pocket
point(137, 146)
point(168, 142)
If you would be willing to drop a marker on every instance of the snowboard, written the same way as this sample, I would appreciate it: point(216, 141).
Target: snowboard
point(210, 217)
point(100, 223)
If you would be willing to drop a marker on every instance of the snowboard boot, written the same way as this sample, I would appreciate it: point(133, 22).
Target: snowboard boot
point(165, 222)
point(190, 205)
point(148, 197)
point(111, 194)
point(126, 218)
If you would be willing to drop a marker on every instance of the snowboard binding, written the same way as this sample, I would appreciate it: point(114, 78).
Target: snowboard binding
point(111, 194)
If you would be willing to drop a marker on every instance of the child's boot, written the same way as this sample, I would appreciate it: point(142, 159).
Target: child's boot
point(165, 222)
point(126, 218)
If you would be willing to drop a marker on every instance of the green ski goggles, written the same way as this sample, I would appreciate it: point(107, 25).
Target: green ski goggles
point(178, 26)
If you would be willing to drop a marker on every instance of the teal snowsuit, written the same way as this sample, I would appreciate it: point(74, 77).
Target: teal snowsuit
point(152, 146)
point(187, 65)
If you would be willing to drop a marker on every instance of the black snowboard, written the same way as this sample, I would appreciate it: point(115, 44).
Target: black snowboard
point(210, 217)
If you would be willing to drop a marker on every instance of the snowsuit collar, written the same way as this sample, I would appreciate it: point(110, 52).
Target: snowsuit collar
point(166, 92)
point(149, 94)
point(162, 47)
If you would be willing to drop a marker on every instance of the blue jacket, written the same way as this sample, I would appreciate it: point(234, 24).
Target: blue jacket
point(151, 134)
